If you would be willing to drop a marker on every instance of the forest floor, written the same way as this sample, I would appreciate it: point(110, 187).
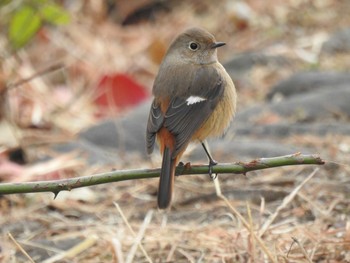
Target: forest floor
point(287, 214)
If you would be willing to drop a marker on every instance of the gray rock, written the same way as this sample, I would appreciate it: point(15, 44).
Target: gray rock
point(245, 61)
point(281, 130)
point(312, 81)
point(320, 105)
point(338, 42)
point(239, 66)
point(125, 134)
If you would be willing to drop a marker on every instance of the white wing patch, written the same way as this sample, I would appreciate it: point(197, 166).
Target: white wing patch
point(194, 99)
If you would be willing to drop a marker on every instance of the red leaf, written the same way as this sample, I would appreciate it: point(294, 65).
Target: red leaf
point(119, 91)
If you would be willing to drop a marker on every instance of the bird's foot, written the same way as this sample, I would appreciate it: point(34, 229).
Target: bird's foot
point(212, 163)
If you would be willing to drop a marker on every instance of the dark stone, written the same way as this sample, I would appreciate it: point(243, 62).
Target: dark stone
point(312, 81)
point(326, 103)
point(337, 42)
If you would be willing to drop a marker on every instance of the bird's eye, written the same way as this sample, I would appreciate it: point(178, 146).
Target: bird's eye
point(193, 46)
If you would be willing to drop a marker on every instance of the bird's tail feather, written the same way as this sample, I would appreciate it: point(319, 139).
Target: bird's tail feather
point(166, 180)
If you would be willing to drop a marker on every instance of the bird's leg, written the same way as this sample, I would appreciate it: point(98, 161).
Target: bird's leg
point(212, 162)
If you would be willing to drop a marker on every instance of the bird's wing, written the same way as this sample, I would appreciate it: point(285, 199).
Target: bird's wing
point(155, 122)
point(188, 111)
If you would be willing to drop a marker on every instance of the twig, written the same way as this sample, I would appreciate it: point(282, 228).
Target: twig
point(285, 202)
point(302, 250)
point(186, 255)
point(251, 230)
point(139, 237)
point(117, 249)
point(20, 248)
point(55, 186)
point(141, 232)
point(75, 250)
point(35, 75)
point(247, 226)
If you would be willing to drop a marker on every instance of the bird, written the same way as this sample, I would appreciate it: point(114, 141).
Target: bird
point(194, 98)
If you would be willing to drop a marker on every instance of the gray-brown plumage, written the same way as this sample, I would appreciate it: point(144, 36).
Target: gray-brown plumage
point(194, 98)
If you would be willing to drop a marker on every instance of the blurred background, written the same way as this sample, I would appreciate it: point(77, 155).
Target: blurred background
point(75, 88)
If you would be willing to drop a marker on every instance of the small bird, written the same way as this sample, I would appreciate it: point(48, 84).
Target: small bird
point(194, 98)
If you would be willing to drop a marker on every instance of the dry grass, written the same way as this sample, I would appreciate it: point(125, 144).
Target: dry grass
point(286, 214)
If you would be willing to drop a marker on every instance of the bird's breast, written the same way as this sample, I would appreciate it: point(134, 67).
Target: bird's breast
point(223, 113)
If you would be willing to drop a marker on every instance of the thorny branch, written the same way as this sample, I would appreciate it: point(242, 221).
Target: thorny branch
point(55, 186)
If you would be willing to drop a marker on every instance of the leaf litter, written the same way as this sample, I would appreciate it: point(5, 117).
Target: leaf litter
point(308, 221)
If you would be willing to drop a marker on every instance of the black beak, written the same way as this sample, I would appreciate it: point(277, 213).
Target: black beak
point(218, 44)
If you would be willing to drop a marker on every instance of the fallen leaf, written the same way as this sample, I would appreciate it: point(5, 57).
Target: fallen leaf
point(119, 91)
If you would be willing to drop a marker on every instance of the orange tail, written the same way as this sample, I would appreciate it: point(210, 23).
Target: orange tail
point(166, 181)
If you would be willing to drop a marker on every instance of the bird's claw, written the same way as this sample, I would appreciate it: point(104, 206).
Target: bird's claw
point(211, 164)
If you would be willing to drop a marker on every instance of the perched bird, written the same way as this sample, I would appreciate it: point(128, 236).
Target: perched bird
point(194, 98)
